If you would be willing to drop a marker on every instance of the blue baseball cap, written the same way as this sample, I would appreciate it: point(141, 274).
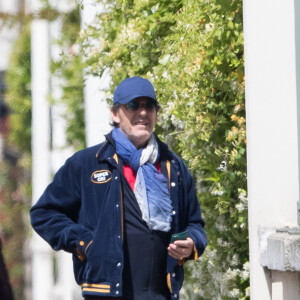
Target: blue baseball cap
point(132, 88)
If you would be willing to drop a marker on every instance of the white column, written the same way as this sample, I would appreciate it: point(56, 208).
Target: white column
point(42, 269)
point(272, 134)
point(97, 116)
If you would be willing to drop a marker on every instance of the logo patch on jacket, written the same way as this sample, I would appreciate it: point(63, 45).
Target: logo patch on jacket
point(101, 176)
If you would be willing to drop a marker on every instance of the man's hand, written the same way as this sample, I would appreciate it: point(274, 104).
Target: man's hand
point(181, 249)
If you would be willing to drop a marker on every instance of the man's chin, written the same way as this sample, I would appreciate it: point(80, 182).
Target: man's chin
point(141, 138)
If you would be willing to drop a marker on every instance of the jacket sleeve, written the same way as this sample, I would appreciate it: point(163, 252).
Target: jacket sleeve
point(54, 217)
point(194, 224)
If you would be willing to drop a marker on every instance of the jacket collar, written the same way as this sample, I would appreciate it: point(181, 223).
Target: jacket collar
point(163, 149)
point(107, 149)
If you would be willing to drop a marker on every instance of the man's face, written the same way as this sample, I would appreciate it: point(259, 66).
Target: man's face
point(136, 120)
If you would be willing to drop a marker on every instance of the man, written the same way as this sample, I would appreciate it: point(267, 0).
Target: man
point(116, 205)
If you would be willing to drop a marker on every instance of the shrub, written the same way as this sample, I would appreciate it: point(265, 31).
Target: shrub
point(192, 50)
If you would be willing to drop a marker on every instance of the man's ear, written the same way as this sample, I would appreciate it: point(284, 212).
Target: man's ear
point(115, 116)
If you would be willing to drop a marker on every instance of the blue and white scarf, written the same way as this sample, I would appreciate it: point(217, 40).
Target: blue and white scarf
point(151, 187)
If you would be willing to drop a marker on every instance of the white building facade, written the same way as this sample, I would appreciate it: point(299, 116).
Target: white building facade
point(272, 73)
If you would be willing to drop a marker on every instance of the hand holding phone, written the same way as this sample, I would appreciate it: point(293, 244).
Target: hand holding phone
point(179, 236)
point(183, 248)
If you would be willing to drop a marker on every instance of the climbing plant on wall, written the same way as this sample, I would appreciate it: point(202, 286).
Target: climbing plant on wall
point(202, 70)
point(15, 185)
point(192, 50)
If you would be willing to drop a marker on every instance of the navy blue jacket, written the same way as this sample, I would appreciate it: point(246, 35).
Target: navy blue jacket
point(81, 212)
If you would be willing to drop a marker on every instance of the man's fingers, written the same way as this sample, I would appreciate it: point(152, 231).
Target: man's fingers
point(176, 249)
point(175, 254)
point(181, 248)
point(178, 252)
point(184, 243)
point(180, 243)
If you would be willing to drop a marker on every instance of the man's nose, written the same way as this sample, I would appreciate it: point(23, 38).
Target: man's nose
point(142, 108)
point(143, 111)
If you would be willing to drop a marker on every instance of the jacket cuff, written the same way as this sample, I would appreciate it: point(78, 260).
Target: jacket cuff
point(199, 244)
point(194, 254)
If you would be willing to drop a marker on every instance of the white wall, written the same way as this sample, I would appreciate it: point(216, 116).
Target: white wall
point(272, 133)
point(297, 44)
point(11, 6)
point(7, 34)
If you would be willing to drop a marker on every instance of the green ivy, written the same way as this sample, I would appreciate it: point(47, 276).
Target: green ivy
point(15, 185)
point(192, 50)
point(18, 95)
point(127, 38)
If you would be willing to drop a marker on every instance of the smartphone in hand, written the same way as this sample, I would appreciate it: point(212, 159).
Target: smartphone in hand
point(179, 236)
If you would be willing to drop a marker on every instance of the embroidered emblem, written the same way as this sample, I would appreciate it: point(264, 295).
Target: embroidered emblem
point(101, 176)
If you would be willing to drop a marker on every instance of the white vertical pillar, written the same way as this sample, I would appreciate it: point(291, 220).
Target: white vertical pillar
point(272, 136)
point(97, 116)
point(42, 268)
